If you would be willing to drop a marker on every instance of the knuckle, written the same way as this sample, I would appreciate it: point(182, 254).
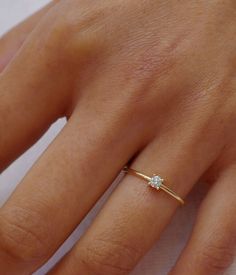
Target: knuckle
point(22, 238)
point(216, 258)
point(79, 33)
point(108, 257)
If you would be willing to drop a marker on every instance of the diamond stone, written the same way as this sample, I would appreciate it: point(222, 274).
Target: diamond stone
point(156, 182)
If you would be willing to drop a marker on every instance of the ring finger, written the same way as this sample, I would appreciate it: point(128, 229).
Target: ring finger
point(135, 215)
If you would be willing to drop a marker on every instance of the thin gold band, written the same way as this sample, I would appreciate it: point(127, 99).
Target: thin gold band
point(157, 186)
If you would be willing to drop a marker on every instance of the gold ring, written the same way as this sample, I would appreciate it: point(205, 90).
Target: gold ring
point(155, 182)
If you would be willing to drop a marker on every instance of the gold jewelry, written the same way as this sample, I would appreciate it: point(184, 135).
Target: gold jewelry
point(155, 182)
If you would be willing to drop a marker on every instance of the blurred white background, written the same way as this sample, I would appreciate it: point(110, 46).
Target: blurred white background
point(165, 252)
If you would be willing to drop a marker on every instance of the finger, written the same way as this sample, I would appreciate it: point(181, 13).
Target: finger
point(211, 248)
point(63, 186)
point(32, 96)
point(13, 40)
point(134, 217)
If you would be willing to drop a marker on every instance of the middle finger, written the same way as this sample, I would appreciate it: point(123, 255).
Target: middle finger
point(62, 187)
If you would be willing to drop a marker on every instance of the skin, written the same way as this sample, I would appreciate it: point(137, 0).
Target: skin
point(151, 81)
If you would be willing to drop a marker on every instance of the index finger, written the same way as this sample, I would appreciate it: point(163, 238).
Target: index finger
point(32, 96)
point(11, 42)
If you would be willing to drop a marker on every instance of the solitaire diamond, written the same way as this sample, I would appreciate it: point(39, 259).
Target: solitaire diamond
point(156, 182)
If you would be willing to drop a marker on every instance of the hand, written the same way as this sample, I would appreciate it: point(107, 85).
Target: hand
point(152, 81)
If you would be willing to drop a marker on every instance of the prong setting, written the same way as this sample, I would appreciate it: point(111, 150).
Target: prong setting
point(155, 182)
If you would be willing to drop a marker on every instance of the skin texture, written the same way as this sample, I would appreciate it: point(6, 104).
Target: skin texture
point(151, 81)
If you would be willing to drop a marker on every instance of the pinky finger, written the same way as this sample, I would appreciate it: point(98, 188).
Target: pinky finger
point(210, 250)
